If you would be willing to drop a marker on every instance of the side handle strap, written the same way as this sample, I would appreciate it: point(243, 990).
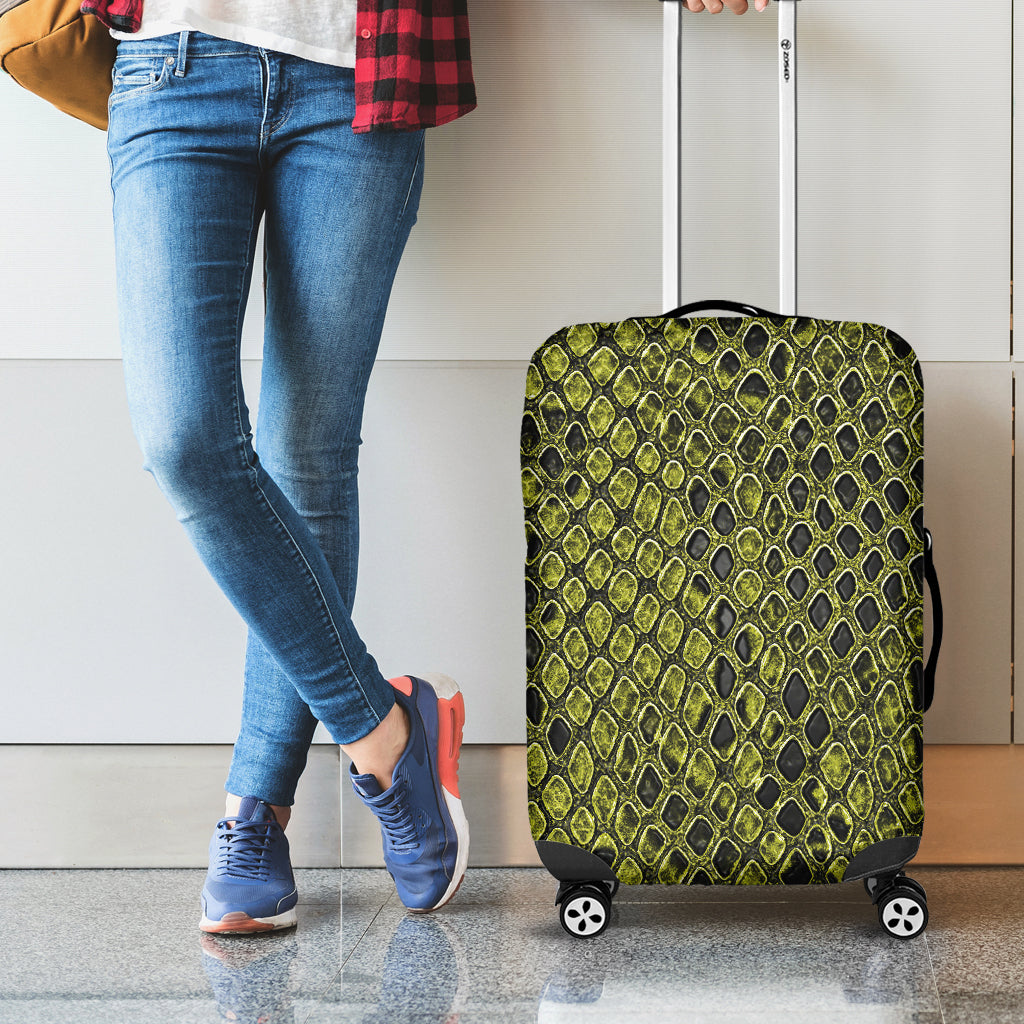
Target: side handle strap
point(933, 588)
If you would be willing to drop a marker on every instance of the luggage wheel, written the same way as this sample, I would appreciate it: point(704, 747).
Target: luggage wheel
point(902, 904)
point(585, 907)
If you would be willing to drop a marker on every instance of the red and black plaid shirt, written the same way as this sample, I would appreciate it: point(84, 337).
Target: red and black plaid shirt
point(413, 68)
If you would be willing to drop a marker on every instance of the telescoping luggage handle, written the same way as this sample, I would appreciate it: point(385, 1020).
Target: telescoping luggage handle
point(671, 134)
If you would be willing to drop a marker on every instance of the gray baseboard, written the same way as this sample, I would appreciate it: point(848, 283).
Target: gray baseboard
point(154, 806)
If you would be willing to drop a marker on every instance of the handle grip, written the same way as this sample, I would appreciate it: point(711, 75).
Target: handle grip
point(735, 307)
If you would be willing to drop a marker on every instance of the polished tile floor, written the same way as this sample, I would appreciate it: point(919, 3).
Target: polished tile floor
point(122, 946)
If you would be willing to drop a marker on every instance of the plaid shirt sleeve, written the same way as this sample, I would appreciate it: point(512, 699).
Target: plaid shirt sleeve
point(122, 15)
point(413, 67)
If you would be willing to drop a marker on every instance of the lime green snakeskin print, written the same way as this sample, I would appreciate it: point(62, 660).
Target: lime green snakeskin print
point(724, 595)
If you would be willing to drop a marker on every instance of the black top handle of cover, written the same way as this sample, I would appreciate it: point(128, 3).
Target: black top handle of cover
point(933, 588)
point(734, 307)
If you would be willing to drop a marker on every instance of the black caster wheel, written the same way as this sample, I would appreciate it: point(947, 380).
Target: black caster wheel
point(585, 911)
point(611, 887)
point(872, 890)
point(903, 911)
point(913, 884)
point(871, 885)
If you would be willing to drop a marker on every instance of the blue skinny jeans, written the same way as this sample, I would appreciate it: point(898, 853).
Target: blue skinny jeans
point(207, 136)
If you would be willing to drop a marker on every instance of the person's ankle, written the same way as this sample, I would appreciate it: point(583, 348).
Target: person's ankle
point(379, 752)
point(232, 804)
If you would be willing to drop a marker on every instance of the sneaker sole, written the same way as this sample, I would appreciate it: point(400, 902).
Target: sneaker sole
point(240, 923)
point(451, 717)
point(437, 906)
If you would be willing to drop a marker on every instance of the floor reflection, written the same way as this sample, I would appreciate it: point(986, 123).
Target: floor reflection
point(251, 976)
point(424, 971)
point(498, 954)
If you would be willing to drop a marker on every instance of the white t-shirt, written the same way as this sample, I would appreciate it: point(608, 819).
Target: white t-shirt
point(320, 30)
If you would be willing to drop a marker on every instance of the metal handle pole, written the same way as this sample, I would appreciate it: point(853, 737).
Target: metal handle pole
point(671, 141)
point(671, 288)
point(787, 157)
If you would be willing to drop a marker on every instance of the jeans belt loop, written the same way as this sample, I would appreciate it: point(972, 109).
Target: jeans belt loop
point(179, 69)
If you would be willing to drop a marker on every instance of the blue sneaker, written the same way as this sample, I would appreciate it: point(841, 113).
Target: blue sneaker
point(250, 886)
point(426, 836)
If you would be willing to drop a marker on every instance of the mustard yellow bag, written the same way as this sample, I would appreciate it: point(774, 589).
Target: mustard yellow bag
point(50, 48)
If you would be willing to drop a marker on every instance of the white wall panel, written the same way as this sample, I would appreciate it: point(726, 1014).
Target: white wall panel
point(442, 543)
point(111, 630)
point(80, 806)
point(543, 206)
point(56, 263)
point(57, 283)
point(968, 508)
point(540, 208)
point(903, 168)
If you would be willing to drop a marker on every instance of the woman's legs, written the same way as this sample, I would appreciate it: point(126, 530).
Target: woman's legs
point(198, 154)
point(339, 209)
point(194, 162)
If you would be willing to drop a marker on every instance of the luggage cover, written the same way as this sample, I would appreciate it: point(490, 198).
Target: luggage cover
point(724, 580)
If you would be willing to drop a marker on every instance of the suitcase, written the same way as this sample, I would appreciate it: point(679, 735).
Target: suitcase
point(725, 565)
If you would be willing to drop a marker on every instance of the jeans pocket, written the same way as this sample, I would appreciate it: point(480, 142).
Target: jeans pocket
point(133, 75)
